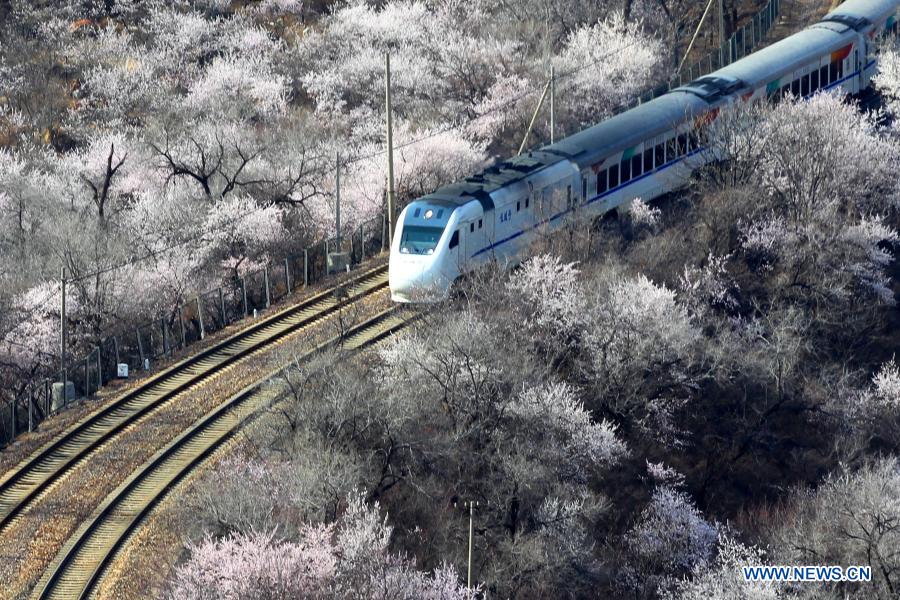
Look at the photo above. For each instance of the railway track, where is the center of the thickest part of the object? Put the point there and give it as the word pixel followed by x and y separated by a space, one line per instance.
pixel 36 474
pixel 79 566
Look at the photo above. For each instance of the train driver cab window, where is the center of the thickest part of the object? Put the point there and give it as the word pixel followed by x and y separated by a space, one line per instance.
pixel 601 182
pixel 804 85
pixel 613 176
pixel 454 240
pixel 626 170
pixel 418 239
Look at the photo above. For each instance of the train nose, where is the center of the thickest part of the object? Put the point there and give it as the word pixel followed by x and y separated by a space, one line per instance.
pixel 412 280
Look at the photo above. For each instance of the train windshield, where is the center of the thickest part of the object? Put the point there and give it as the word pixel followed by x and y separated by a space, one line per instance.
pixel 417 239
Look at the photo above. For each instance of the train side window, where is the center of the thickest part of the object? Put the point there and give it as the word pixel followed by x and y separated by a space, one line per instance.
pixel 660 152
pixel 584 189
pixel 785 89
pixel 823 76
pixel 479 223
pixel 471 227
pixel 693 142
pixel 518 205
pixel 804 85
pixel 670 150
pixel 682 144
pixel 527 201
pixel 568 196
pixel 648 160
pixel 454 239
pixel 626 170
pixel 840 74
pixel 601 182
pixel 795 87
pixel 814 81
pixel 613 176
pixel 636 164
pixel 833 72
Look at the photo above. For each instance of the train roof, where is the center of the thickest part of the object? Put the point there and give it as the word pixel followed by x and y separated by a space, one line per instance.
pixel 624 130
pixel 782 56
pixel 480 186
pixel 873 10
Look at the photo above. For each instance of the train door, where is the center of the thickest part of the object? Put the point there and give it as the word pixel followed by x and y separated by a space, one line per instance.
pixel 455 256
pixel 489 228
pixel 468 244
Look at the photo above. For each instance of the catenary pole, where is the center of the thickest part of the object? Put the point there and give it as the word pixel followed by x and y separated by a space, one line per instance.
pixel 62 331
pixel 552 105
pixel 390 147
pixel 337 199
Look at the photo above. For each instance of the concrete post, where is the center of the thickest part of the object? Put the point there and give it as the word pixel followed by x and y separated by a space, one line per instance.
pixel 244 291
pixel 390 147
pixel 287 275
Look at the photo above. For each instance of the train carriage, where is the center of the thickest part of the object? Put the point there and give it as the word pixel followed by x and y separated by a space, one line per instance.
pixel 644 153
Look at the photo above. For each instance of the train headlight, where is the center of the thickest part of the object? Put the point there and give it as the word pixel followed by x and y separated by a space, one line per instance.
pixel 429 213
pixel 429 251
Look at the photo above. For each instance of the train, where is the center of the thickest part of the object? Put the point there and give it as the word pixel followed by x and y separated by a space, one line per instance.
pixel 645 152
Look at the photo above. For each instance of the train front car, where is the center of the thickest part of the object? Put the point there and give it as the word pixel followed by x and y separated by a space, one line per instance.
pixel 420 269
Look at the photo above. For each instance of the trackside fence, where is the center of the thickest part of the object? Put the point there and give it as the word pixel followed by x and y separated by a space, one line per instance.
pixel 741 43
pixel 191 322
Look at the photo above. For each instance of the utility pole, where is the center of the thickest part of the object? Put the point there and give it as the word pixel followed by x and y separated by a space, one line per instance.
pixel 552 104
pixel 337 199
pixel 62 331
pixel 390 148
pixel 471 530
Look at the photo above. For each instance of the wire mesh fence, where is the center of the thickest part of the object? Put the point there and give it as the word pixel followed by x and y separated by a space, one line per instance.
pixel 140 347
pixel 741 43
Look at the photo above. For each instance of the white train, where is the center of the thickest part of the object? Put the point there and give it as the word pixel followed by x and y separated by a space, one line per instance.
pixel 644 152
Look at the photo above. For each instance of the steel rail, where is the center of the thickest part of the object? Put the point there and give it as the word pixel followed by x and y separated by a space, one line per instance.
pixel 81 563
pixel 24 483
